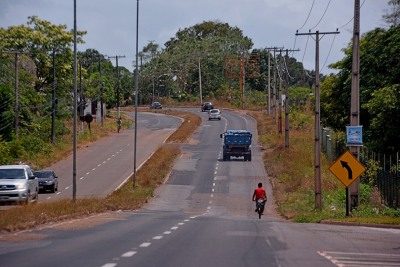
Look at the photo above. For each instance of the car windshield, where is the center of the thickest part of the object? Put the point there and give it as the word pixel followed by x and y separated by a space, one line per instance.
pixel 42 174
pixel 12 174
pixel 214 111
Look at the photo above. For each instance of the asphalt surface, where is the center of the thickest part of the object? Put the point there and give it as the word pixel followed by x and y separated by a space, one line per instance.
pixel 202 216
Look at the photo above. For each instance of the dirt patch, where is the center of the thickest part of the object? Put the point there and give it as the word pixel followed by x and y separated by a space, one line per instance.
pixel 75 224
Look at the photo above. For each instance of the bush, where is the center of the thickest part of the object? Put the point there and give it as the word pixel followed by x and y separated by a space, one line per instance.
pixel 5 155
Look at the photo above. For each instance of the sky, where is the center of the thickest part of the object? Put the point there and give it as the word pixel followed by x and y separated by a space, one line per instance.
pixel 111 24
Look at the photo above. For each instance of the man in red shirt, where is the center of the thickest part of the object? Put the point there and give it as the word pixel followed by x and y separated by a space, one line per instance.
pixel 259 194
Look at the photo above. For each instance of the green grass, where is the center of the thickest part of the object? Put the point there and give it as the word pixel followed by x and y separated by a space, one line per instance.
pixel 291 171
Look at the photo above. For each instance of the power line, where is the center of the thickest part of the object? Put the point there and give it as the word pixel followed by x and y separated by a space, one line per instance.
pixel 350 19
pixel 309 13
pixel 330 49
pixel 323 15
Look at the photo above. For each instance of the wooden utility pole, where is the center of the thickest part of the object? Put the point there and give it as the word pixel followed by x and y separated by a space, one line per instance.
pixel 279 97
pixel 53 101
pixel 269 75
pixel 16 109
pixel 241 68
pixel 287 102
pixel 317 132
pixel 274 89
pixel 352 191
pixel 118 98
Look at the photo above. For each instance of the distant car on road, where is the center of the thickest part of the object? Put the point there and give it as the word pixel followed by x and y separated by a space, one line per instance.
pixel 18 184
pixel 206 106
pixel 48 180
pixel 156 105
pixel 214 114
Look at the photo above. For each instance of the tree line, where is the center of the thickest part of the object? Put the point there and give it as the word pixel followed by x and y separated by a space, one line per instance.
pixel 206 60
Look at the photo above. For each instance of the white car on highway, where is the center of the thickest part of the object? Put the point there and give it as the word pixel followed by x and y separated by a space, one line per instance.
pixel 18 184
pixel 214 114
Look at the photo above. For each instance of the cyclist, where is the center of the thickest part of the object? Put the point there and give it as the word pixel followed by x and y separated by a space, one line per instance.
pixel 260 197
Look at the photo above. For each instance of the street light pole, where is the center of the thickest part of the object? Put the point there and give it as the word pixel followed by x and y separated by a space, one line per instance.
pixel 136 91
pixel 75 114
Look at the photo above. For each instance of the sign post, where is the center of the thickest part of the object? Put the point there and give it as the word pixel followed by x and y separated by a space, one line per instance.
pixel 347 169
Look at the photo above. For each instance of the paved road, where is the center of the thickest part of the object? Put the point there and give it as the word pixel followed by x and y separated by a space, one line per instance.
pixel 104 165
pixel 203 216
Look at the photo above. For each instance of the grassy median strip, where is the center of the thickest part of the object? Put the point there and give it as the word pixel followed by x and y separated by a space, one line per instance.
pixel 148 177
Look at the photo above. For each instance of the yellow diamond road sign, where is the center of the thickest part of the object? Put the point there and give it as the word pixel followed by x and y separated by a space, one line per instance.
pixel 347 168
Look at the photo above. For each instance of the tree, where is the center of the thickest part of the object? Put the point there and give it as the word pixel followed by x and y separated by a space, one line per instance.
pixel 393 18
pixel 384 130
pixel 204 46
pixel 379 68
pixel 36 44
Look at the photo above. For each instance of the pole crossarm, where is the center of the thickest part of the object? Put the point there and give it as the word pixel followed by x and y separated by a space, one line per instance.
pixel 274 48
pixel 317 33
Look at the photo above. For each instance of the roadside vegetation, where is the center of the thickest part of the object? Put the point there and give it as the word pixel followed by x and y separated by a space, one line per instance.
pixel 291 171
pixel 171 76
pixel 148 177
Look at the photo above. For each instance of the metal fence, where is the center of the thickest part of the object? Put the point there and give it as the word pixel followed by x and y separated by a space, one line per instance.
pixel 386 176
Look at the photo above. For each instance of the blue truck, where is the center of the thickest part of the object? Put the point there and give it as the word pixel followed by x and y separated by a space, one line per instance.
pixel 237 143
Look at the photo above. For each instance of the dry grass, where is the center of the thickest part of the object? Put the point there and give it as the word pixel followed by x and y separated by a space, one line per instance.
pixel 291 171
pixel 151 174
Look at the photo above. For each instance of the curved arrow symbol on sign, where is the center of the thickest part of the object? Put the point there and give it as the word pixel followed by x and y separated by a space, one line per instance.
pixel 347 167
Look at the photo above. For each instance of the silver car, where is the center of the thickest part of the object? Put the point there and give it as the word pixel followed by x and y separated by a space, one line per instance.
pixel 18 184
pixel 214 114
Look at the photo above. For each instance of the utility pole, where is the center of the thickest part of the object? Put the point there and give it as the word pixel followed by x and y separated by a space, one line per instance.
pixel 81 102
pixel 16 109
pixel 118 98
pixel 269 84
pixel 274 89
pixel 287 103
pixel 317 132
pixel 352 191
pixel 269 75
pixel 200 86
pixel 136 93
pixel 16 89
pixel 242 77
pixel 279 97
pixel 101 91
pixel 53 101
pixel 75 111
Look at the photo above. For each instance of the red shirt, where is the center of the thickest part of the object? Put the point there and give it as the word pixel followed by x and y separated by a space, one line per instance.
pixel 259 192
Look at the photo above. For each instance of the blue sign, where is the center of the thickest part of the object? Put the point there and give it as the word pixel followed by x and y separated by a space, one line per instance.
pixel 354 135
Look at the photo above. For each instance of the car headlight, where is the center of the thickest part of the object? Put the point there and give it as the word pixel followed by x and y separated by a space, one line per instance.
pixel 21 186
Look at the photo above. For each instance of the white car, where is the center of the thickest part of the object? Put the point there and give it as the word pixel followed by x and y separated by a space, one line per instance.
pixel 214 114
pixel 18 184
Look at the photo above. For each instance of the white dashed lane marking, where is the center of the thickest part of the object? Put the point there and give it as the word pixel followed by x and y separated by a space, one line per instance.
pixel 145 245
pixel 129 254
